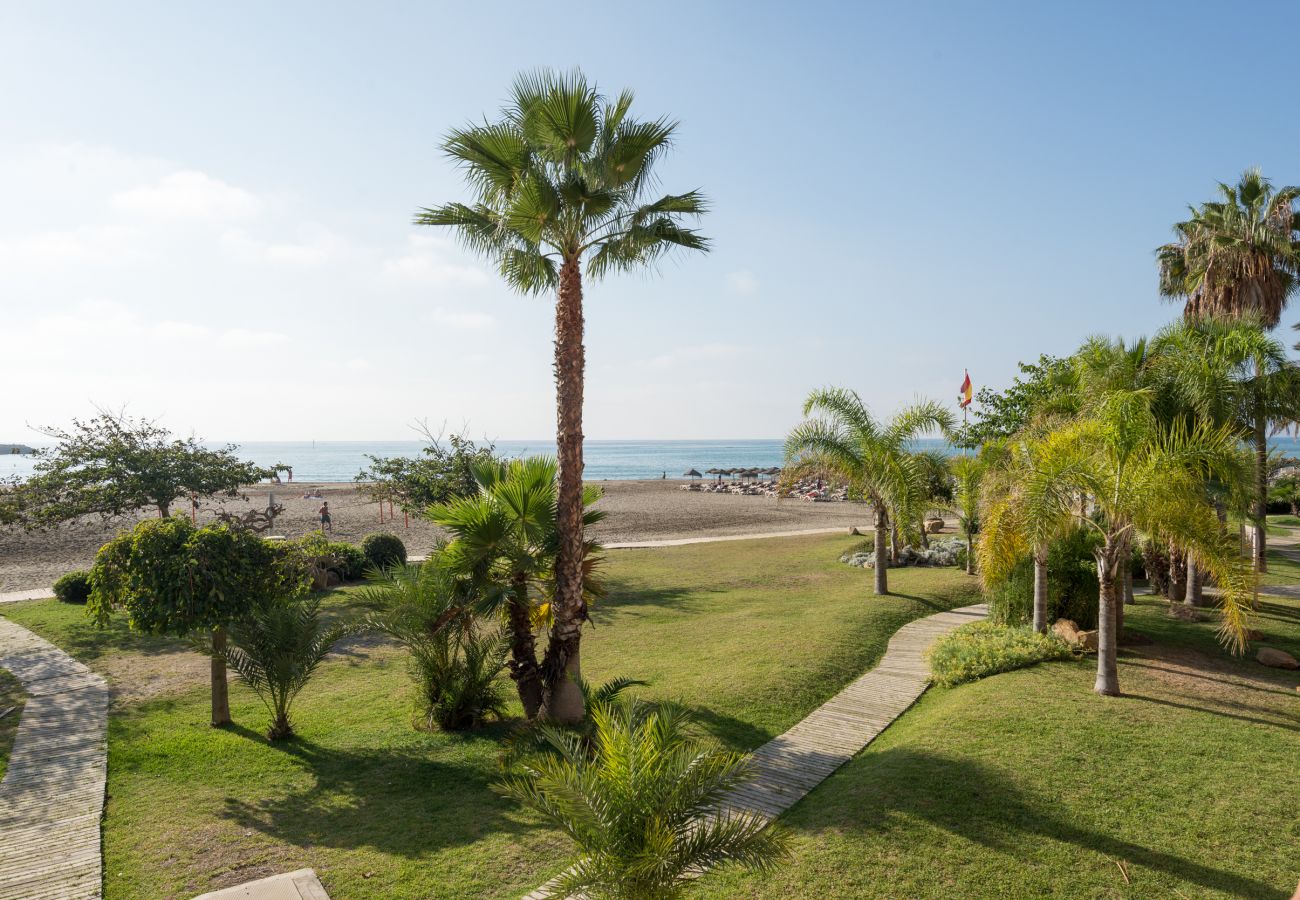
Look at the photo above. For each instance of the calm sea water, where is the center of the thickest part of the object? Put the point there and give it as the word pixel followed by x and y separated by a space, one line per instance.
pixel 612 460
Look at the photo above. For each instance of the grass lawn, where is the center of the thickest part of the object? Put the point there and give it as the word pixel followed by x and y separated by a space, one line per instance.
pixel 753 634
pixel 1027 784
pixel 12 698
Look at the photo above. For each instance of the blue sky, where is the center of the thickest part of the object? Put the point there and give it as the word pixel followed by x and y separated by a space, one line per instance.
pixel 207 212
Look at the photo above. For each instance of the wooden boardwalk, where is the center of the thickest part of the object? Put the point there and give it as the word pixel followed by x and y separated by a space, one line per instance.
pixel 52 795
pixel 788 767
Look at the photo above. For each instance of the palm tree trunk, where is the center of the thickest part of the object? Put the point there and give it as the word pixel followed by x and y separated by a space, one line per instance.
pixel 895 541
pixel 925 538
pixel 970 554
pixel 882 558
pixel 1259 556
pixel 1177 575
pixel 1107 623
pixel 1128 584
pixel 220 690
pixel 1040 589
pixel 563 699
pixel 1195 583
pixel 524 670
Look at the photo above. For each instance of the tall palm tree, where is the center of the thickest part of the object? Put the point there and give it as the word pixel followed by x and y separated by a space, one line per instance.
pixel 872 456
pixel 641 800
pixel 1237 256
pixel 505 543
pixel 561 183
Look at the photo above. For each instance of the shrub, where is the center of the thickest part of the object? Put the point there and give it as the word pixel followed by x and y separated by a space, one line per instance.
pixel 383 550
pixel 73 587
pixel 344 559
pixel 1072 586
pixel 985 648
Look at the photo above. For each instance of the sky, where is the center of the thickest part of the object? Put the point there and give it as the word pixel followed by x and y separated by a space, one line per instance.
pixel 206 209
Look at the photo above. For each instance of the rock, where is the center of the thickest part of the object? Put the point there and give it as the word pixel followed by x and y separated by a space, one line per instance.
pixel 934 526
pixel 1184 613
pixel 1254 634
pixel 1276 659
pixel 1088 641
pixel 853 529
pixel 1067 630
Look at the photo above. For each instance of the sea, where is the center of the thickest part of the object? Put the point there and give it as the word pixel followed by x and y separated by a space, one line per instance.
pixel 342 461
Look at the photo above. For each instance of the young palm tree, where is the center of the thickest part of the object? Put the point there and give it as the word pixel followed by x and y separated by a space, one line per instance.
pixel 1238 256
pixel 562 182
pixel 641 801
pixel 505 544
pixel 968 476
pixel 276 649
pixel 873 457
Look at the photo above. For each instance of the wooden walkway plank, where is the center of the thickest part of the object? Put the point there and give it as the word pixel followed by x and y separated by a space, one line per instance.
pixel 52 795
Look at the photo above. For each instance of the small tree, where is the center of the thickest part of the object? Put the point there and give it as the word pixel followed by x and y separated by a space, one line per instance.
pixel 173 578
pixel 442 472
pixel 113 465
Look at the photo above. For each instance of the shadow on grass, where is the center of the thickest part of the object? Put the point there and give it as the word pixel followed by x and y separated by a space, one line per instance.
pixel 892 789
pixel 623 596
pixel 396 800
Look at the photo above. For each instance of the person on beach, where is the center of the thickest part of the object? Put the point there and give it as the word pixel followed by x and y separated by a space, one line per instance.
pixel 325 523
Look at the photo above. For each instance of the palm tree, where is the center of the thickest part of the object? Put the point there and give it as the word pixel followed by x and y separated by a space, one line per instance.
pixel 505 543
pixel 641 801
pixel 968 475
pixel 275 650
pixel 561 184
pixel 1031 500
pixel 1237 256
pixel 873 457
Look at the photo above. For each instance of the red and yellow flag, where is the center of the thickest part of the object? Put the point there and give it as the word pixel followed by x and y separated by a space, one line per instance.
pixel 964 397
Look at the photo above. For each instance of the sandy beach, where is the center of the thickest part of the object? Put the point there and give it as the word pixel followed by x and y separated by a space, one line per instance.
pixel 635 511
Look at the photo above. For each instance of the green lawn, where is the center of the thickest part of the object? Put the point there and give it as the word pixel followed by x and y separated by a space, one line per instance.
pixel 753 634
pixel 12 698
pixel 1029 785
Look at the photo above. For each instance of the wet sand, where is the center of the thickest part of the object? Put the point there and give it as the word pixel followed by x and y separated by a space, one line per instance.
pixel 635 511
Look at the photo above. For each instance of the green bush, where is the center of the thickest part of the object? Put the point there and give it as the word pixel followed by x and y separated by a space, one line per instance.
pixel 1072 586
pixel 73 587
pixel 383 550
pixel 985 648
pixel 344 559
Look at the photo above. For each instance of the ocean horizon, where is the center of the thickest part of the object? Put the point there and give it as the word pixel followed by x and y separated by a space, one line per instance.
pixel 605 460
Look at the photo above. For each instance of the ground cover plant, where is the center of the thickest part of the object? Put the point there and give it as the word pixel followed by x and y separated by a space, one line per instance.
pixel 358 792
pixel 983 648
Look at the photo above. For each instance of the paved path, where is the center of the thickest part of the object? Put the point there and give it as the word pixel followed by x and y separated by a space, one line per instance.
pixel 33 594
pixel 788 767
pixel 300 885
pixel 52 795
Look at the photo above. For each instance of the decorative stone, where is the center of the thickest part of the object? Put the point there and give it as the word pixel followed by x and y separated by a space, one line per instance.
pixel 1254 634
pixel 1276 659
pixel 1088 641
pixel 934 526
pixel 1067 630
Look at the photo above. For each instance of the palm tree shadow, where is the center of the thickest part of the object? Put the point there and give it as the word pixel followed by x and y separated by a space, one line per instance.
pixel 394 800
pixel 967 799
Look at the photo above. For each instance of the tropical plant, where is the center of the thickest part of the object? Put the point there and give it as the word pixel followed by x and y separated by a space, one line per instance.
pixel 935 491
pixel 505 545
pixel 113 465
pixel 561 183
pixel 171 577
pixel 1287 490
pixel 643 804
pixel 532 737
pixel 275 649
pixel 442 471
pixel 874 458
pixel 1071 584
pixel 968 480
pixel 1238 256
pixel 455 657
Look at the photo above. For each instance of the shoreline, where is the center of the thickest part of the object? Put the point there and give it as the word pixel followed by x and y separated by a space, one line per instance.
pixel 637 511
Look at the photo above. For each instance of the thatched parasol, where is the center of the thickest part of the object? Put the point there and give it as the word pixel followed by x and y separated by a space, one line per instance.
pixel 692 474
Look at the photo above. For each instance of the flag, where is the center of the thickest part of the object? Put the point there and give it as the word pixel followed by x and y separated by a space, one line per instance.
pixel 964 397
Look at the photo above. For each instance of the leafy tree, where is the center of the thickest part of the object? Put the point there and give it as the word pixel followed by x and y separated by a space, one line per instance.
pixel 642 804
pixel 1045 387
pixel 170 577
pixel 505 547
pixel 1236 257
pixel 561 183
pixel 113 465
pixel 275 649
pixel 442 472
pixel 873 457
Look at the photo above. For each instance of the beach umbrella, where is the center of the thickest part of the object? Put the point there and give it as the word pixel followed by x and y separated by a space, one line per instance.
pixel 692 474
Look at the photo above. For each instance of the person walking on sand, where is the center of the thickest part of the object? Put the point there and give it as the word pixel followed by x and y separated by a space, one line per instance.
pixel 325 523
